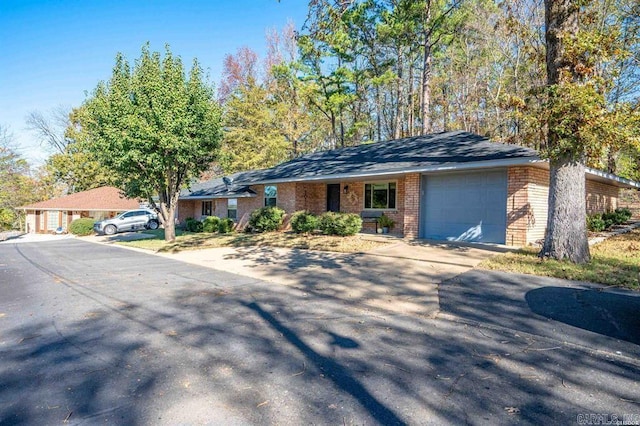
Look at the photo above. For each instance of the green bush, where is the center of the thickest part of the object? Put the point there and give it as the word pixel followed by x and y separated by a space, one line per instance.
pixel 210 224
pixel 303 222
pixel 624 214
pixel 225 226
pixel 609 219
pixel 343 224
pixel 266 219
pixel 193 225
pixel 595 223
pixel 601 221
pixel 82 226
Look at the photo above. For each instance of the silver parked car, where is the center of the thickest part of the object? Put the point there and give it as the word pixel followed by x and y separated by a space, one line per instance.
pixel 132 220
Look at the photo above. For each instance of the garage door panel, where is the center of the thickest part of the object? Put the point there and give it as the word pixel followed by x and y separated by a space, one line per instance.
pixel 465 206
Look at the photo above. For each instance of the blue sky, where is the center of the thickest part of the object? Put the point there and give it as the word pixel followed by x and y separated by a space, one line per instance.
pixel 53 52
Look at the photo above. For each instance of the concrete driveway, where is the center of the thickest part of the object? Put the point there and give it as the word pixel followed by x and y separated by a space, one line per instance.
pixel 401 277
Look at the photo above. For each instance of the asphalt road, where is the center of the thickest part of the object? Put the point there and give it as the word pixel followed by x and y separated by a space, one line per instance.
pixel 98 334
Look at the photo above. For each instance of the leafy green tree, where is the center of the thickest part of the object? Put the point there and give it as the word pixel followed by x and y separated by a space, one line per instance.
pixel 581 125
pixel 154 127
pixel 251 139
pixel 17 187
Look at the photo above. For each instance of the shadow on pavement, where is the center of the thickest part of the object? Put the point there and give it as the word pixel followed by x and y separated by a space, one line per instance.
pixel 190 345
pixel 579 313
pixel 610 314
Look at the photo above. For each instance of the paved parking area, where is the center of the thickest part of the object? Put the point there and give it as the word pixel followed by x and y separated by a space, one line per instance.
pixel 100 334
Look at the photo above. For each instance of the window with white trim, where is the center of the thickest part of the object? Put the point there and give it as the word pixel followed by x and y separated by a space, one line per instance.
pixel 270 195
pixel 232 208
pixel 380 195
pixel 53 220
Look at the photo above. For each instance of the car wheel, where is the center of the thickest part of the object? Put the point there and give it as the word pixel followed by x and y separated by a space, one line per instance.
pixel 153 224
pixel 109 230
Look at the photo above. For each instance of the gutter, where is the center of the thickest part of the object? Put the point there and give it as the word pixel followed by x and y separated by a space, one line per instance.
pixel 209 197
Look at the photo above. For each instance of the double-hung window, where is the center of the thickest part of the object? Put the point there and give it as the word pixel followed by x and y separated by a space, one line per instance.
pixel 270 195
pixel 207 208
pixel 232 208
pixel 380 195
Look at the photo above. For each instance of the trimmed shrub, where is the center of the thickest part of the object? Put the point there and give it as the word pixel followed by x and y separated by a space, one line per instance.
pixel 303 222
pixel 225 226
pixel 624 214
pixel 210 224
pixel 82 226
pixel 192 225
pixel 609 219
pixel 595 223
pixel 266 219
pixel 342 224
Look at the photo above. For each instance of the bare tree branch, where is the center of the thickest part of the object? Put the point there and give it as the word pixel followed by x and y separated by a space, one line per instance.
pixel 50 128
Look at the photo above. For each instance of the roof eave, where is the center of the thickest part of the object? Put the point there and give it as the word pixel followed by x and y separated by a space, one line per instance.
pixel 609 177
pixel 78 209
pixel 209 197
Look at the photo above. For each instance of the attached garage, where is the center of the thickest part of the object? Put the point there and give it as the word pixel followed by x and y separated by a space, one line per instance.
pixel 469 206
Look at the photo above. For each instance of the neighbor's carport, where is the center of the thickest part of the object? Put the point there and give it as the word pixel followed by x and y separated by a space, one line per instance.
pixel 465 206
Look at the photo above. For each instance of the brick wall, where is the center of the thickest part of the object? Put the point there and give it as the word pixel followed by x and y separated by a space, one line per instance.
pixel 411 205
pixel 247 205
pixel 601 197
pixel 527 203
pixel 220 207
pixel 353 200
pixel 187 208
pixel 311 197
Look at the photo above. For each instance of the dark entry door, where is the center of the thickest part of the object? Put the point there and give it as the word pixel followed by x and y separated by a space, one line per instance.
pixel 333 197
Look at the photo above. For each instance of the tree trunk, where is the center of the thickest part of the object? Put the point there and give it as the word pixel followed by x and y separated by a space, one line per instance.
pixel 397 125
pixel 170 226
pixel 170 218
pixel 566 236
pixel 411 100
pixel 425 107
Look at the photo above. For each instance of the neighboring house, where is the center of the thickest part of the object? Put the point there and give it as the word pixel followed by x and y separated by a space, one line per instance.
pixel 453 186
pixel 99 203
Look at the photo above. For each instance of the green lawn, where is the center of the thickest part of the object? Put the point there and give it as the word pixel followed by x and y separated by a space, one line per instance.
pixel 614 262
pixel 196 241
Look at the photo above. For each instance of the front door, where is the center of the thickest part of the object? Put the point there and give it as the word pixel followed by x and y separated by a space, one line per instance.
pixel 333 197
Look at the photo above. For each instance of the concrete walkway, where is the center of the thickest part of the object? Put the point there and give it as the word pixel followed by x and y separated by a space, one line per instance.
pixel 398 278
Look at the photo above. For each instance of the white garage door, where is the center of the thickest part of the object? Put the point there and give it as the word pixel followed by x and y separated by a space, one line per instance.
pixel 465 206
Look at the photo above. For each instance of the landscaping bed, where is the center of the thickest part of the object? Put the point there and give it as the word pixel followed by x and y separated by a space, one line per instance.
pixel 614 262
pixel 198 241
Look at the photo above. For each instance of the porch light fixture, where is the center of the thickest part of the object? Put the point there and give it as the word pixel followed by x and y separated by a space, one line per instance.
pixel 346 189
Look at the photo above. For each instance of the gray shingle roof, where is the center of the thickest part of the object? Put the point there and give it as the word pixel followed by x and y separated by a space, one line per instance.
pixel 400 155
pixel 395 156
pixel 216 188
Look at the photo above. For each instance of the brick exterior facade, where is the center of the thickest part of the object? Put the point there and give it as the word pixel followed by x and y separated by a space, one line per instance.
pixel 527 193
pixel 411 205
pixel 527 198
pixel 601 197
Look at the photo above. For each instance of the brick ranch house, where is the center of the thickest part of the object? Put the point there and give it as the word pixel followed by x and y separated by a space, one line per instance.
pixel 99 203
pixel 453 186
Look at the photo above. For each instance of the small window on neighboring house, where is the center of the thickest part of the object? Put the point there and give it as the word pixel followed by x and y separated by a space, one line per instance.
pixel 206 208
pixel 232 208
pixel 270 196
pixel 380 195
pixel 53 220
